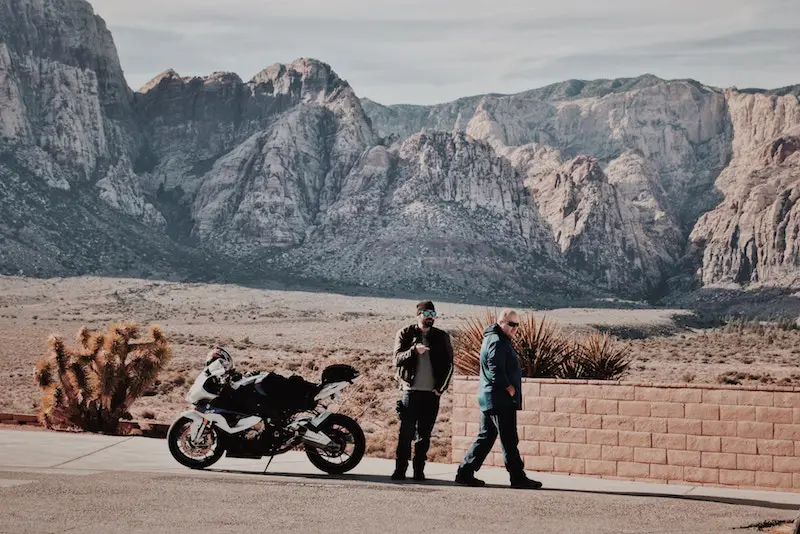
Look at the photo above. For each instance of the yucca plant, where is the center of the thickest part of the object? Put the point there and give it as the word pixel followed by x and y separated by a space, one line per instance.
pixel 467 342
pixel 599 358
pixel 92 387
pixel 544 351
pixel 541 346
pixel 572 365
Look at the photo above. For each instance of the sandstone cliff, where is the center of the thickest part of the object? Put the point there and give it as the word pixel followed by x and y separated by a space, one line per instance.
pixel 69 199
pixel 440 211
pixel 571 191
pixel 257 162
pixel 623 170
pixel 752 236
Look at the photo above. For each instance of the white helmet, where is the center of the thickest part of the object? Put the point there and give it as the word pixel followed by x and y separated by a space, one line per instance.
pixel 221 355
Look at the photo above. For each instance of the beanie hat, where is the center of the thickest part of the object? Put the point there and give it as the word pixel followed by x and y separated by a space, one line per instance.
pixel 425 305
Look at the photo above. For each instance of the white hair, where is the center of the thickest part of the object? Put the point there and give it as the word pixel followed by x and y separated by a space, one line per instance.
pixel 505 314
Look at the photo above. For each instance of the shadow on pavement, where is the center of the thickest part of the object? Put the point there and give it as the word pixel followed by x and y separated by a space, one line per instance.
pixel 688 497
pixel 373 479
pixel 384 479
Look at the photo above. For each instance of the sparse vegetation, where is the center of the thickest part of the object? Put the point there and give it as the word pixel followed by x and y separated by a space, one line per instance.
pixel 467 342
pixel 599 358
pixel 91 388
pixel 542 347
pixel 737 377
pixel 545 351
pixel 286 332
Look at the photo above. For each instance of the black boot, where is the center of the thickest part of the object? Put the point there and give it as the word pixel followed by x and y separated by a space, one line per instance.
pixel 419 471
pixel 467 478
pixel 521 481
pixel 400 470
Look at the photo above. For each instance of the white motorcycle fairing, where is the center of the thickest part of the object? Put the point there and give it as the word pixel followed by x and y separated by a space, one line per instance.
pixel 332 390
pixel 219 421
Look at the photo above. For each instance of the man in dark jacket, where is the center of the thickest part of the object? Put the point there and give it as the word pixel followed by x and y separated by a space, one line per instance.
pixel 499 397
pixel 423 356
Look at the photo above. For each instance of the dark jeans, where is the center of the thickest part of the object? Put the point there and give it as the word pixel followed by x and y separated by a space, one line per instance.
pixel 504 424
pixel 418 411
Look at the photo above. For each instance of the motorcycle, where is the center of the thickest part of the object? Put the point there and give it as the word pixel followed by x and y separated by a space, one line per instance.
pixel 265 415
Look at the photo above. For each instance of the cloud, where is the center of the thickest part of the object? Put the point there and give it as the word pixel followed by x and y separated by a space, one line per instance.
pixel 144 53
pixel 426 51
pixel 710 60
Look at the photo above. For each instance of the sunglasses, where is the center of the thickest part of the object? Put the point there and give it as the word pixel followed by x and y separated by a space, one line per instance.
pixel 512 324
pixel 428 313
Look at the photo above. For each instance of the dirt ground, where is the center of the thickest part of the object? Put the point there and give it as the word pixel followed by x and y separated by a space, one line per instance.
pixel 750 355
pixel 302 332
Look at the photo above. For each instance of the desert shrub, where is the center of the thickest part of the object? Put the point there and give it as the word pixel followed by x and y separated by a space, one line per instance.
pixel 541 346
pixel 700 319
pixel 179 380
pixel 599 358
pixel 91 388
pixel 572 365
pixel 761 325
pixel 788 323
pixel 467 341
pixel 737 377
pixel 545 351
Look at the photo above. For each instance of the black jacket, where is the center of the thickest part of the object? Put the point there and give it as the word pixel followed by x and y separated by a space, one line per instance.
pixel 441 353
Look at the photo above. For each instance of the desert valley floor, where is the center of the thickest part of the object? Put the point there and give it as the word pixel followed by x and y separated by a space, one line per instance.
pixel 301 332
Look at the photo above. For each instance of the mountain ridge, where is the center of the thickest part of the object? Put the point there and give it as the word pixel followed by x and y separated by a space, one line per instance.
pixel 628 187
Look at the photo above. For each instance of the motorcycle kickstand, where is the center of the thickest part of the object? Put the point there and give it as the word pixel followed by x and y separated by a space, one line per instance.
pixel 270 461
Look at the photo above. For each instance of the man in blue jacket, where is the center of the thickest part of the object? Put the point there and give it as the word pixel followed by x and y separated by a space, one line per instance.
pixel 499 396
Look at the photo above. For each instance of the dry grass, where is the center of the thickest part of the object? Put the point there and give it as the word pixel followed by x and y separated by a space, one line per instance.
pixel 733 355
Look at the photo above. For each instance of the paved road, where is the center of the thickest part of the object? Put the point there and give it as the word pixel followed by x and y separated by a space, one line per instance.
pixel 55 483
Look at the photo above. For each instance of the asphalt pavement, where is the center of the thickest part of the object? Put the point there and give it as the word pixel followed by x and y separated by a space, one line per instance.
pixel 57 482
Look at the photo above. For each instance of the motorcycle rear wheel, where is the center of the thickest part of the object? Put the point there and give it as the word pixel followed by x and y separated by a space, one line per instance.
pixel 186 452
pixel 349 445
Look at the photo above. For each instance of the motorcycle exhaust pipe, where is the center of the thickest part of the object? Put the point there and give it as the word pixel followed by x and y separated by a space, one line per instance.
pixel 315 439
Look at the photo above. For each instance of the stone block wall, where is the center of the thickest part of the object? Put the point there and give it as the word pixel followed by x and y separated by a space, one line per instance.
pixel 727 436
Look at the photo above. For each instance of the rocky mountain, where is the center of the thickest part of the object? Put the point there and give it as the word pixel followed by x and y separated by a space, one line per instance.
pixel 443 210
pixel 561 194
pixel 645 180
pixel 255 163
pixel 69 199
pixel 752 236
pixel 285 171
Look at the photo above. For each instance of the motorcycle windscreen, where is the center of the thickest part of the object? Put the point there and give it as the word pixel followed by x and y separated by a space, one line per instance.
pixel 206 385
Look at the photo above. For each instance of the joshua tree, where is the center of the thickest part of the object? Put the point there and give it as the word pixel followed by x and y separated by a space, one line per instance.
pixel 92 387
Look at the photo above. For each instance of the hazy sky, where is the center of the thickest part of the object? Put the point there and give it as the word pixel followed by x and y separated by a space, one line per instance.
pixel 429 51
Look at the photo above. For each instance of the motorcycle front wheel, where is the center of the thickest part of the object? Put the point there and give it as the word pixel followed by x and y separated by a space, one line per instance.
pixel 206 451
pixel 345 451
